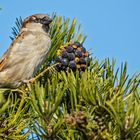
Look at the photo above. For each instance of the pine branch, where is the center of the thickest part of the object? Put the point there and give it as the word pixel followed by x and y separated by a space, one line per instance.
pixel 99 103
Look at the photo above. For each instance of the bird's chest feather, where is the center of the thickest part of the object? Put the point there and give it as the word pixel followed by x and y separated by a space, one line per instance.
pixel 38 52
pixel 31 52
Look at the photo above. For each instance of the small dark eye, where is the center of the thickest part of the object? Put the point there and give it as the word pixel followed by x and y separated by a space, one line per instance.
pixel 43 18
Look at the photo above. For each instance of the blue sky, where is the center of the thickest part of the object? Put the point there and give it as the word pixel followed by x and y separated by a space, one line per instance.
pixel 112 26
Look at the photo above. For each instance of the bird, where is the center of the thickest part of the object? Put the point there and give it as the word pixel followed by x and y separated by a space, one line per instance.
pixel 27 52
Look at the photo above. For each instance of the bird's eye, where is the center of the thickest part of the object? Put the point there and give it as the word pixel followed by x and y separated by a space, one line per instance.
pixel 43 18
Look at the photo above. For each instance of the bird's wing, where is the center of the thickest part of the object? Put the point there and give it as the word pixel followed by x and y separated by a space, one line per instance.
pixel 2 62
pixel 4 58
pixel 13 55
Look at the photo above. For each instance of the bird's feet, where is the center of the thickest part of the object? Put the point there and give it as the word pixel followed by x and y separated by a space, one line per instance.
pixel 30 81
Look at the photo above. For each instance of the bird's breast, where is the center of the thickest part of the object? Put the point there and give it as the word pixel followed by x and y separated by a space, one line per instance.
pixel 39 52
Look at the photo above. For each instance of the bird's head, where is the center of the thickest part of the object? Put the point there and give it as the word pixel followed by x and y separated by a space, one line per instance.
pixel 37 21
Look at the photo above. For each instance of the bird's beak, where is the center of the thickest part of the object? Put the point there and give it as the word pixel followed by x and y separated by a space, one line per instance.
pixel 50 20
pixel 47 21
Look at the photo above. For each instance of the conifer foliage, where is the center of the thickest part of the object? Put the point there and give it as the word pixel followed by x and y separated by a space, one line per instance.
pixel 101 103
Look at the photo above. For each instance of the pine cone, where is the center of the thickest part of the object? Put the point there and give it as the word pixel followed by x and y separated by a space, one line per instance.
pixel 72 56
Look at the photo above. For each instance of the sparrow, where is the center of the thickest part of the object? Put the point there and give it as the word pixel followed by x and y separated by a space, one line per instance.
pixel 27 52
